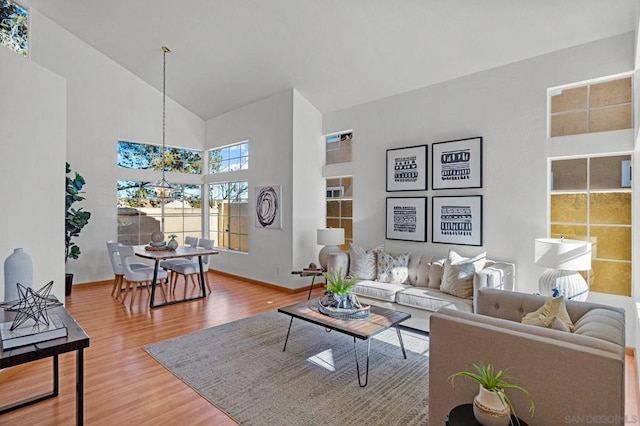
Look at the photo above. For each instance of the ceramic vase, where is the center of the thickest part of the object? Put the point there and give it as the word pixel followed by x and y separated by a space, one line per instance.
pixel 489 410
pixel 18 268
pixel 172 244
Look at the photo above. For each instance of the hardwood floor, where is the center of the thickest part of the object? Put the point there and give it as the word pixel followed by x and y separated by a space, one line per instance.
pixel 124 385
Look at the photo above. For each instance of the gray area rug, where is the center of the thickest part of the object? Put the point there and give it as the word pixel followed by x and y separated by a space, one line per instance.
pixel 241 369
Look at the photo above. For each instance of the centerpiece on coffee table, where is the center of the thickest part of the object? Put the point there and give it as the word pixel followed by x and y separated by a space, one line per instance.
pixel 339 302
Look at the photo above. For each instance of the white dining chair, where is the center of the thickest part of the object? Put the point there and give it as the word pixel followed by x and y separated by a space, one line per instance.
pixel 139 278
pixel 191 269
pixel 169 263
pixel 118 270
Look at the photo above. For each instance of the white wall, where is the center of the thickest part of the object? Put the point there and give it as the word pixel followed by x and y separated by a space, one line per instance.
pixel 507 106
pixel 281 131
pixel 32 137
pixel 105 103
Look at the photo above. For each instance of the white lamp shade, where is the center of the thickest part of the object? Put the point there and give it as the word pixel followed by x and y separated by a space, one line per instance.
pixel 330 237
pixel 566 255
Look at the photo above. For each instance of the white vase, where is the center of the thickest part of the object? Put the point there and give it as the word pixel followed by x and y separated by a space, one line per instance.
pixel 18 268
pixel 489 410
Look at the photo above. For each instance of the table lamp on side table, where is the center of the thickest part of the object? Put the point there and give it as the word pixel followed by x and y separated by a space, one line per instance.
pixel 330 238
pixel 563 258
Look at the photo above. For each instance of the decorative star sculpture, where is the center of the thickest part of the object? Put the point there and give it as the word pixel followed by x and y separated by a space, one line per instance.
pixel 32 305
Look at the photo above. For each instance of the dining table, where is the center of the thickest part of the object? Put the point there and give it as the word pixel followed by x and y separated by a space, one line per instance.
pixel 157 256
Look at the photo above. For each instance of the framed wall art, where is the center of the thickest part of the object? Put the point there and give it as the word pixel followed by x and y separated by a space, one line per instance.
pixel 457 164
pixel 268 207
pixel 457 220
pixel 407 169
pixel 407 219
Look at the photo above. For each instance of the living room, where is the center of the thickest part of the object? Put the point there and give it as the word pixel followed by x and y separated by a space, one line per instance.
pixel 84 102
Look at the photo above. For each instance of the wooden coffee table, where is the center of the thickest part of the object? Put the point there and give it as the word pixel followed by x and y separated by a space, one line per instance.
pixel 379 320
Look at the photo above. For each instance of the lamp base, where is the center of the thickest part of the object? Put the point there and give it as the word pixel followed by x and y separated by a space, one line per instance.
pixel 569 284
pixel 323 256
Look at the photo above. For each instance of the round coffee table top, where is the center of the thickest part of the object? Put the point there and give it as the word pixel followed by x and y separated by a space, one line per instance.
pixel 462 415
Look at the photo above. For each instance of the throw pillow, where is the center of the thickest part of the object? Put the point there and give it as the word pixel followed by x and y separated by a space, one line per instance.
pixel 435 273
pixel 362 262
pixel 391 269
pixel 457 276
pixel 553 314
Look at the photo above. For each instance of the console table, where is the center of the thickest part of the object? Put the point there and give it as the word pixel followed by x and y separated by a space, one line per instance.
pixel 76 340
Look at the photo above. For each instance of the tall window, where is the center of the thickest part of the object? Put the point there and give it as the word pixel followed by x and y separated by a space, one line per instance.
pixel 139 216
pixel 133 155
pixel 229 215
pixel 339 148
pixel 591 108
pixel 14 21
pixel 340 207
pixel 230 158
pixel 591 200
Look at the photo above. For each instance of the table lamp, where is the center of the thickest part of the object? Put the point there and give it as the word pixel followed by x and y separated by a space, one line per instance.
pixel 330 238
pixel 563 258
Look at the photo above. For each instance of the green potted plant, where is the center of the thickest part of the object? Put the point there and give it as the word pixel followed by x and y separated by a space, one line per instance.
pixel 75 219
pixel 339 286
pixel 492 404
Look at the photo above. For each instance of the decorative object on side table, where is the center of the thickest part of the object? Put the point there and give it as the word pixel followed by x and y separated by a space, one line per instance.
pixel 339 302
pixel 330 238
pixel 18 268
pixel 492 406
pixel 563 258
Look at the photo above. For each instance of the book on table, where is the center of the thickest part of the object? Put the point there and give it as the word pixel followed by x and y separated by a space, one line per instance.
pixel 30 332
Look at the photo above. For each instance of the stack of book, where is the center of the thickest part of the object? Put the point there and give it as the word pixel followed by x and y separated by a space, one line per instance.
pixel 31 332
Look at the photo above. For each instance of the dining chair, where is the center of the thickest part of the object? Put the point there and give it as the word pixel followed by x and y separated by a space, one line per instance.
pixel 118 270
pixel 139 278
pixel 191 268
pixel 169 263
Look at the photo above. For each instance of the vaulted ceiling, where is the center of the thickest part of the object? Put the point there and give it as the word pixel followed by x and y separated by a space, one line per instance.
pixel 337 53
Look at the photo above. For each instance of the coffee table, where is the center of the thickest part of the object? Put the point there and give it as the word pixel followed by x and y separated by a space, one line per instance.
pixel 379 320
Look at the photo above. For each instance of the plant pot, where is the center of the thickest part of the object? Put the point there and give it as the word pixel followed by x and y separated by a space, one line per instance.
pixel 68 284
pixel 490 410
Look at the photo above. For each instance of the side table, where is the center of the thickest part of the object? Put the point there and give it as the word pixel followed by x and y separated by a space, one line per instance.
pixel 462 415
pixel 313 273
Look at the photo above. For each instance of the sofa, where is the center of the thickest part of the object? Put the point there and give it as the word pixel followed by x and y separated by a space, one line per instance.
pixel 575 376
pixel 413 282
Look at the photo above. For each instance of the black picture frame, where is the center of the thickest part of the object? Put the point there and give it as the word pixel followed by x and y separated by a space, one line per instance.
pixel 457 220
pixel 406 219
pixel 407 168
pixel 457 164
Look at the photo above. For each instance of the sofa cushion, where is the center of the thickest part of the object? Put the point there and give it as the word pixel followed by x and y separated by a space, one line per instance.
pixel 419 266
pixel 431 299
pixel 435 274
pixel 554 308
pixel 602 324
pixel 392 269
pixel 457 277
pixel 362 262
pixel 377 290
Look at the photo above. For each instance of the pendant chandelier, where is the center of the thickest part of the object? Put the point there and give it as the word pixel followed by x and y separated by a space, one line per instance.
pixel 161 189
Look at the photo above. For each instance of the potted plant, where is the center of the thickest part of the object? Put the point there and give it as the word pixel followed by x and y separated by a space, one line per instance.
pixel 75 219
pixel 339 287
pixel 492 405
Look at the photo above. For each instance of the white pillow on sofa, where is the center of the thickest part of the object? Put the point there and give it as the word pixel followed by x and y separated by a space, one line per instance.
pixel 391 269
pixel 362 262
pixel 457 277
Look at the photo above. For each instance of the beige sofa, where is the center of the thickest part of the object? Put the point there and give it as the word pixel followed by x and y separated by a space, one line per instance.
pixel 421 295
pixel 575 377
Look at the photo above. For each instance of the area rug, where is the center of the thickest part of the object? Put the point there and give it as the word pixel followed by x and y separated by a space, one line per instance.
pixel 241 369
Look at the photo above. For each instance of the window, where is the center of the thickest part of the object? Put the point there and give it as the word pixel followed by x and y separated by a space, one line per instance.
pixel 229 215
pixel 595 107
pixel 132 155
pixel 139 216
pixel 14 25
pixel 591 200
pixel 229 159
pixel 340 207
pixel 339 148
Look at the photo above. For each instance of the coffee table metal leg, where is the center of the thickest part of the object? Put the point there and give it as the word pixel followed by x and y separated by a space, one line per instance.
pixel 287 339
pixel 366 377
pixel 401 343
